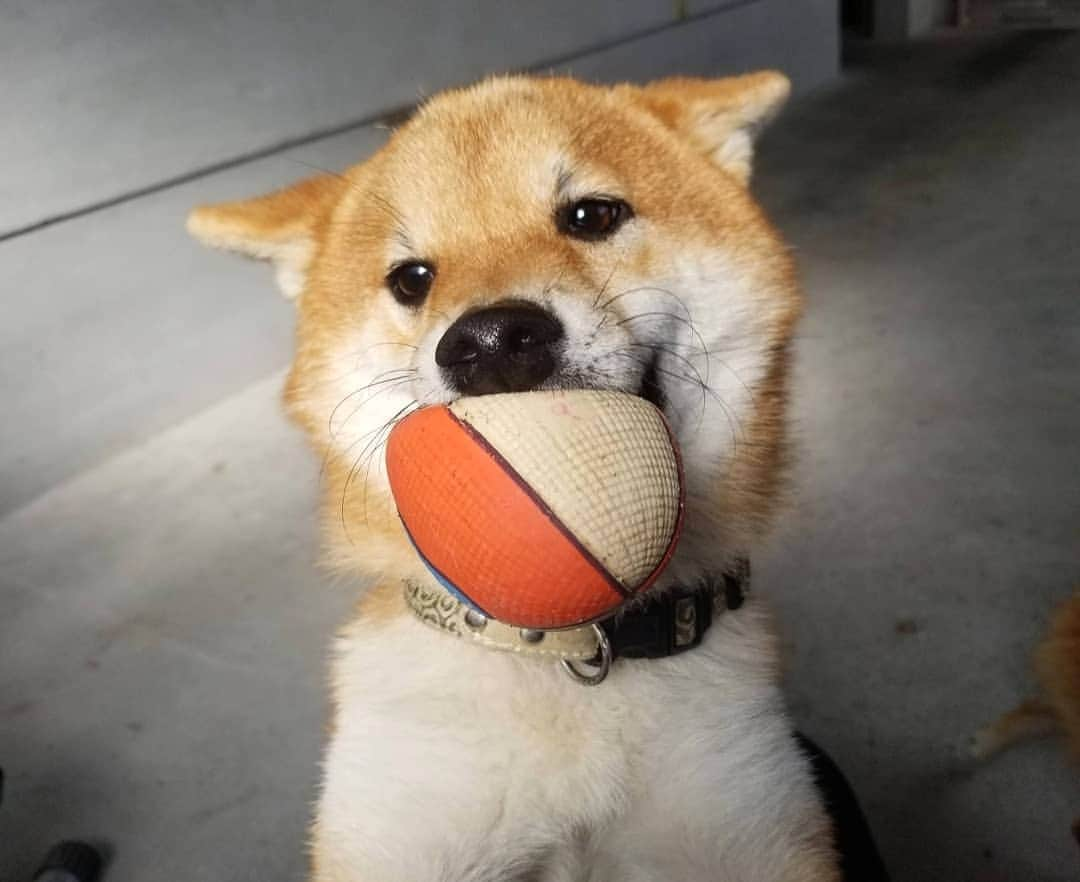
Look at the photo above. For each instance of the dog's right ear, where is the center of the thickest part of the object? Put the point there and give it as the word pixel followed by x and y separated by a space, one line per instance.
pixel 280 227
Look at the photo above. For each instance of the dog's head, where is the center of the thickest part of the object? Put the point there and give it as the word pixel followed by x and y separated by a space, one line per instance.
pixel 539 234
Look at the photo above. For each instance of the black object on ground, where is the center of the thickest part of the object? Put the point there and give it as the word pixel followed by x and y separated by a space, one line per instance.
pixel 859 857
pixel 70 862
pixel 66 861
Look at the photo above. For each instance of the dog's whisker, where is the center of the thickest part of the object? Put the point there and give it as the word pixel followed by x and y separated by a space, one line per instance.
pixel 358 439
pixel 696 382
pixel 691 327
pixel 711 355
pixel 735 426
pixel 352 359
pixel 389 387
pixel 604 287
pixel 331 453
pixel 663 348
pixel 375 380
pixel 556 279
pixel 658 314
pixel 647 289
pixel 386 427
pixel 392 343
pixel 381 380
pixel 375 452
pixel 379 443
pixel 746 387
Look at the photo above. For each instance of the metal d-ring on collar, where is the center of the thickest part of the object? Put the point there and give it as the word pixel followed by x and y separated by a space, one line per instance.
pixel 600 669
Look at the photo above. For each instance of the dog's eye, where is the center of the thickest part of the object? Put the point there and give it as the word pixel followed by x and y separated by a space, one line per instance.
pixel 410 282
pixel 592 219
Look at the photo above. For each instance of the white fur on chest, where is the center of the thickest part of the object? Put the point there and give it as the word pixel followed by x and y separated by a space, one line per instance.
pixel 454 762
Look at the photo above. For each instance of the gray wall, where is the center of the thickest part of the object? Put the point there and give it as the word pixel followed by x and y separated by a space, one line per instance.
pixel 115 95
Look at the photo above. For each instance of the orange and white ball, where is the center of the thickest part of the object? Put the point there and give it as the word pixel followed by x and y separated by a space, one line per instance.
pixel 541 509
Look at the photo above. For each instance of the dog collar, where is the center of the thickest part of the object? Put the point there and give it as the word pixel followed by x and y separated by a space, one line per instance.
pixel 667 624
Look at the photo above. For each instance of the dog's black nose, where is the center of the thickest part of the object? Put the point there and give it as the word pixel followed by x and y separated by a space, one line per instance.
pixel 509 347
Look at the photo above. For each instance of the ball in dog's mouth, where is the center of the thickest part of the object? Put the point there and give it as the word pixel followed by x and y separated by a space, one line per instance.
pixel 545 509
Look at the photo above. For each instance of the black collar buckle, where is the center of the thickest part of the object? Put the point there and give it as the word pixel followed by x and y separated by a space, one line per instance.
pixel 677 620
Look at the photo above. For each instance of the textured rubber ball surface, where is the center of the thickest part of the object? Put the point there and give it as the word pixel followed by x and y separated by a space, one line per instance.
pixel 542 509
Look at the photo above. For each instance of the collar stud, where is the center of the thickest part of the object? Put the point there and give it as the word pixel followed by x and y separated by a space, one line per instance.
pixel 475 619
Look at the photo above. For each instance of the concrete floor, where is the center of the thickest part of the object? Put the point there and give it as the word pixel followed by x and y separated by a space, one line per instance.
pixel 933 199
pixel 163 626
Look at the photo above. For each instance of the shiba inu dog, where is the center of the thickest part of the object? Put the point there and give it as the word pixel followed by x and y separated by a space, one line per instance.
pixel 529 234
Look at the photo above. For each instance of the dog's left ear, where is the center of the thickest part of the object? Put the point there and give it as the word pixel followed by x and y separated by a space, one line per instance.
pixel 720 117
pixel 280 227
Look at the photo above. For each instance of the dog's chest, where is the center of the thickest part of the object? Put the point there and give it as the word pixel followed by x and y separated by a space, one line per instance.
pixel 449 760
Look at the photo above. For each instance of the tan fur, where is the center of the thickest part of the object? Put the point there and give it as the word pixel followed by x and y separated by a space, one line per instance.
pixel 710 109
pixel 471 184
pixel 281 227
pixel 1056 711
